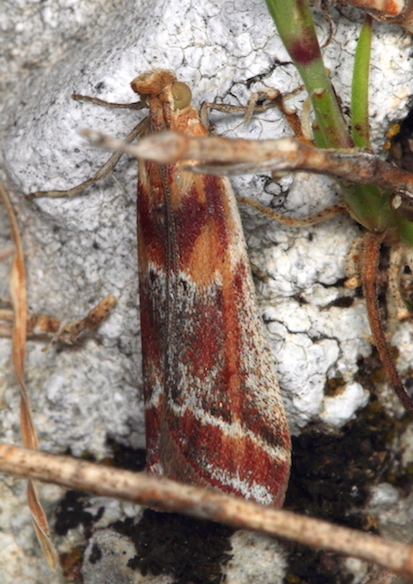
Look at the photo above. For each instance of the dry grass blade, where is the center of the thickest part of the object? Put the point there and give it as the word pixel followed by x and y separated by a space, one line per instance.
pixel 29 436
pixel 207 504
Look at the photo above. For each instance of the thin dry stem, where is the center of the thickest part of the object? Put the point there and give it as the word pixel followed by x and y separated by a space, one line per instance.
pixel 230 156
pixel 28 431
pixel 372 244
pixel 206 504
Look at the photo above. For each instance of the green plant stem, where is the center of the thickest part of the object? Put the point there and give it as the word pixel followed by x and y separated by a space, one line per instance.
pixel 295 26
pixel 367 204
pixel 360 87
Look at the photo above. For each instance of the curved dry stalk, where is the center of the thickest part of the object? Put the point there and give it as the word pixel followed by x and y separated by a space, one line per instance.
pixel 205 504
pixel 28 431
pixel 371 256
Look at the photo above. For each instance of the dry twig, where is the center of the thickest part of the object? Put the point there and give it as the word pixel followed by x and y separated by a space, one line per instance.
pixel 206 504
pixel 230 156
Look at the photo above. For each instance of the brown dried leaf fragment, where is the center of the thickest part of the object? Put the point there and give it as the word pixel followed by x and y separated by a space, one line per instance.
pixel 71 333
pixel 68 333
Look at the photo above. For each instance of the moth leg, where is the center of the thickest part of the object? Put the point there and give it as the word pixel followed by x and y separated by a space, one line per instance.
pixel 103 172
pixel 220 107
pixel 259 101
pixel 301 127
pixel 136 105
pixel 289 221
pixel 108 167
pixel 267 98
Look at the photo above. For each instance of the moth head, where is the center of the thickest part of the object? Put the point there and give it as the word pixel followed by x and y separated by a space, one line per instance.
pixel 156 81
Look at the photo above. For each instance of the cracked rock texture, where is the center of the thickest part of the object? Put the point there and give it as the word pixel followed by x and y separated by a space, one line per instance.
pixel 81 249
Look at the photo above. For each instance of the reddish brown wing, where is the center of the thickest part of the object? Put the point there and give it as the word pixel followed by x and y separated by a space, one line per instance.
pixel 214 414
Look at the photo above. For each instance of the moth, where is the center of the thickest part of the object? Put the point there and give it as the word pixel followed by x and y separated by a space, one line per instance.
pixel 214 414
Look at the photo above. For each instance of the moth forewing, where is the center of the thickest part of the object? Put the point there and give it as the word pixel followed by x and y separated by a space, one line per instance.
pixel 214 413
